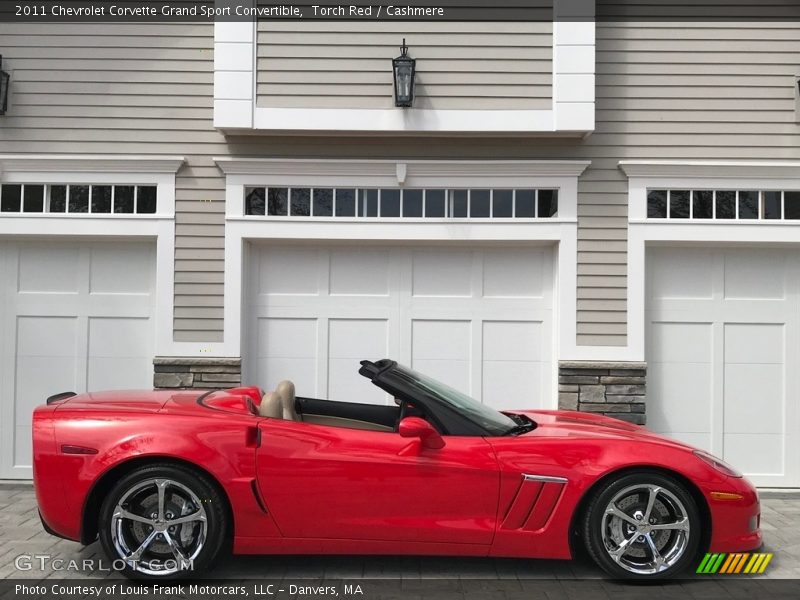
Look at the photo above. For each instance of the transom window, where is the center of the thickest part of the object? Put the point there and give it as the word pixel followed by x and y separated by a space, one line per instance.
pixel 77 199
pixel 401 203
pixel 723 204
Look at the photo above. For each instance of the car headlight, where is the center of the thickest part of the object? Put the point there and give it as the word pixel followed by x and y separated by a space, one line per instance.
pixel 718 464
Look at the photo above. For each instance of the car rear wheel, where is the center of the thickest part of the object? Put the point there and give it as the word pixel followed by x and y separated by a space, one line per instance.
pixel 162 522
pixel 643 525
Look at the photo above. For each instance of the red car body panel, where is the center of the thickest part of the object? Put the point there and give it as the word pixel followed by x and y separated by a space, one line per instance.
pixel 298 487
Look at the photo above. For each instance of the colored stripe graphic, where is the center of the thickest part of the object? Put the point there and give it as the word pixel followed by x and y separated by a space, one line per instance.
pixel 740 564
pixel 702 566
pixel 735 563
pixel 717 564
pixel 767 558
pixel 750 564
pixel 726 565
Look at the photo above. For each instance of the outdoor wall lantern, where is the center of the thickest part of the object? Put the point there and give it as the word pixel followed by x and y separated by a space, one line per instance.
pixel 4 79
pixel 404 68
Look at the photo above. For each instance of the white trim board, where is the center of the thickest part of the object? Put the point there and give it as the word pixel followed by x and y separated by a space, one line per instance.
pixel 89 163
pixel 573 91
pixel 676 169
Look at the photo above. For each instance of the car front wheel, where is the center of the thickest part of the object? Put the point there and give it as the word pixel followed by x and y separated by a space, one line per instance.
pixel 643 525
pixel 162 522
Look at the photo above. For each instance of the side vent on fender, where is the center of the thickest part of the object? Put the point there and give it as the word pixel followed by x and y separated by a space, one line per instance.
pixel 259 499
pixel 534 503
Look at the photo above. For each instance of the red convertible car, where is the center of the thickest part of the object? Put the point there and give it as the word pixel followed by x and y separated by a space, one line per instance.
pixel 167 480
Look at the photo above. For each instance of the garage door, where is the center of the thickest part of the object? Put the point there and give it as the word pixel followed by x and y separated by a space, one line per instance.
pixel 723 350
pixel 72 317
pixel 478 319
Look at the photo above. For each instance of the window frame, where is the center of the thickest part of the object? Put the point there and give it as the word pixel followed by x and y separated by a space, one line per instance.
pixel 449 202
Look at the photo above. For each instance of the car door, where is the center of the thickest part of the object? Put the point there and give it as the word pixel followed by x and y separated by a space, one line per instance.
pixel 337 483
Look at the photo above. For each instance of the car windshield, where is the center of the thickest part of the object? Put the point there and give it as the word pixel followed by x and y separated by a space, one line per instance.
pixel 493 421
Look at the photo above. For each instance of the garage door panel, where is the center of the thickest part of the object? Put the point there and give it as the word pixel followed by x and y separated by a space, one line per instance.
pixel 442 273
pixel 441 339
pixel 754 343
pixel 753 398
pixel 682 273
pixel 509 384
pixel 754 274
pixel 45 364
pixel 510 340
pixel 443 350
pixel 513 274
pixel 350 341
pixel 354 272
pixel 356 338
pixel 113 305
pixel 292 271
pixel 106 276
pixel 288 338
pixel 679 398
pixel 756 454
pixel 682 342
pixel 288 350
pixel 40 269
pixel 118 353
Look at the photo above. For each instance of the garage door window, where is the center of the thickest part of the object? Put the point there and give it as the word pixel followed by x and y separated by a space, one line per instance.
pixel 737 205
pixel 78 199
pixel 413 203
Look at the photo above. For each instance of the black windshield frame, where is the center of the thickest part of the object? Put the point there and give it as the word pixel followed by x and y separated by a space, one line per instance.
pixel 453 412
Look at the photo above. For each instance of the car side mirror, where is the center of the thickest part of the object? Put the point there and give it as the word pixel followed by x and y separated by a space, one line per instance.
pixel 414 427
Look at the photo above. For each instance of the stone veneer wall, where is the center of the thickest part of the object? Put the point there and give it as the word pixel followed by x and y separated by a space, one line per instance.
pixel 615 389
pixel 203 373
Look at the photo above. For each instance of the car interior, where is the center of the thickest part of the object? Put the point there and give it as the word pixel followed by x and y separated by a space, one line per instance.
pixel 283 403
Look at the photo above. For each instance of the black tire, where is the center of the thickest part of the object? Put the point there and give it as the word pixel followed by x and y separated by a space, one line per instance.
pixel 186 490
pixel 604 534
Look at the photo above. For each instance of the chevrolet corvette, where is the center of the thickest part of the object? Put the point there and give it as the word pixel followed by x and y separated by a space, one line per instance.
pixel 170 479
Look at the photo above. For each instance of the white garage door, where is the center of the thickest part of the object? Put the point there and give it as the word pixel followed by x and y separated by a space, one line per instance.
pixel 723 355
pixel 73 317
pixel 478 319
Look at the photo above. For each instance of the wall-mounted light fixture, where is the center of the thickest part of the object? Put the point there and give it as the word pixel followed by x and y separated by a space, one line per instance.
pixel 4 79
pixel 404 68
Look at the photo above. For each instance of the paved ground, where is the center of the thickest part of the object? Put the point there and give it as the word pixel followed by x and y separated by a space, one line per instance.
pixel 21 534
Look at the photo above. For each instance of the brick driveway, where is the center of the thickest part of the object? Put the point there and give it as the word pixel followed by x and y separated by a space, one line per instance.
pixel 21 533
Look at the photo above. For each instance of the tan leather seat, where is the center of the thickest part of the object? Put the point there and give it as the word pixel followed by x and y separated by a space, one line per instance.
pixel 285 390
pixel 280 403
pixel 271 406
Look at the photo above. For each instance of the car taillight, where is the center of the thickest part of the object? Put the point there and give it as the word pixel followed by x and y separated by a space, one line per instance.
pixel 719 464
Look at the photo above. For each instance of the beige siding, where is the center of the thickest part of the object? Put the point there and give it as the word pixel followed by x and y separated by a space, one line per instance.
pixel 130 89
pixel 338 64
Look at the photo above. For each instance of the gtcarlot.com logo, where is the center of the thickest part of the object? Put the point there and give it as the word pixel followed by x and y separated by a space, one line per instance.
pixel 734 564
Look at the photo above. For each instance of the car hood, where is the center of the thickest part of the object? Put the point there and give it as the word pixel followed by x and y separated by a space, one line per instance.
pixel 568 423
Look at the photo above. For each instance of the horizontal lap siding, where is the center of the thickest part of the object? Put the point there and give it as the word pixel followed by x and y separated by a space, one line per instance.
pixel 340 64
pixel 131 89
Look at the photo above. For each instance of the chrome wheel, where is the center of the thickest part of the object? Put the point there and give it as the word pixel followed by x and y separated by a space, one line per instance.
pixel 645 529
pixel 158 527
